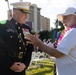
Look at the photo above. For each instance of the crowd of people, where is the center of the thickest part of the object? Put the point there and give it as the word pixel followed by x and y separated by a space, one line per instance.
pixel 50 43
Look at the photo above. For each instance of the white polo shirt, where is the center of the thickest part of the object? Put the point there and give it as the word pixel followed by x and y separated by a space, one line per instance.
pixel 66 65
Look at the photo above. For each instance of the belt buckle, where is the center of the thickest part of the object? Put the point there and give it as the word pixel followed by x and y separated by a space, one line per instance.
pixel 20 55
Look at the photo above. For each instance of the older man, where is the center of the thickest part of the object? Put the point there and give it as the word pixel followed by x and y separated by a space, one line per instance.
pixel 65 53
pixel 15 52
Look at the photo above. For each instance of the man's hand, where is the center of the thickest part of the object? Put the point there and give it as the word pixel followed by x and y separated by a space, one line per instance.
pixel 33 39
pixel 21 67
pixel 18 67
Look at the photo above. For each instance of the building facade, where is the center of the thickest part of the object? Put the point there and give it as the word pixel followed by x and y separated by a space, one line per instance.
pixel 34 17
pixel 44 23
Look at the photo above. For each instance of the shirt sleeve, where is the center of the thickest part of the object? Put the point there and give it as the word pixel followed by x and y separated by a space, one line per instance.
pixel 68 43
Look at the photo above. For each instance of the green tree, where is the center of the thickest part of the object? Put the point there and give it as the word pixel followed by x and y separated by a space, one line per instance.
pixel 45 34
pixel 59 25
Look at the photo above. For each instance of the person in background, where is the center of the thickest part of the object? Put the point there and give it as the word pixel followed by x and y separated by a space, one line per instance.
pixel 15 52
pixel 55 43
pixel 49 43
pixel 65 52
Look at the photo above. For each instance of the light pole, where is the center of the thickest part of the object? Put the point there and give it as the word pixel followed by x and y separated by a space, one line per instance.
pixel 9 8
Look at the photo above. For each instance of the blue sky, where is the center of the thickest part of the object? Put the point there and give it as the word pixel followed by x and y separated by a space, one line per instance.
pixel 49 8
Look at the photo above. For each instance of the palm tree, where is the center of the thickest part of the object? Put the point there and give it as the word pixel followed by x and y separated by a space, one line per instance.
pixel 59 25
pixel 56 23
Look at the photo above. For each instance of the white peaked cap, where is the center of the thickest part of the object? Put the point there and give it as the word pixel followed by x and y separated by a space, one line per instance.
pixel 22 5
pixel 68 11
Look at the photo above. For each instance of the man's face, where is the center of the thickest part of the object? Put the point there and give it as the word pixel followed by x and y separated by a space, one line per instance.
pixel 69 20
pixel 21 16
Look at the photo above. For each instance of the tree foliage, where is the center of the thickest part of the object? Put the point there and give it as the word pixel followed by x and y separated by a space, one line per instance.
pixel 44 34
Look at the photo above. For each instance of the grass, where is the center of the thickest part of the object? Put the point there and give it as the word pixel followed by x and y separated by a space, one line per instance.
pixel 43 68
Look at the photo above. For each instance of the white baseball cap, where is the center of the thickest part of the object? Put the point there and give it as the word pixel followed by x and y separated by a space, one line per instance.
pixel 68 11
pixel 24 6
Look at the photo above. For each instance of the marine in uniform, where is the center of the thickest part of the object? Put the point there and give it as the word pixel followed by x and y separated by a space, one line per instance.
pixel 13 45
